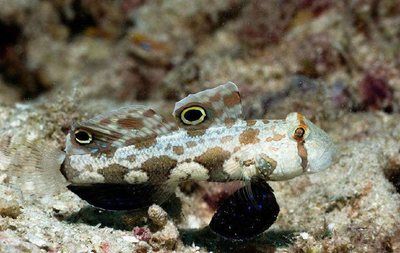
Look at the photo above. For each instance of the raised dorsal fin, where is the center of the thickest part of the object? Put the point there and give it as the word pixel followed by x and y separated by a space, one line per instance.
pixel 133 125
pixel 217 106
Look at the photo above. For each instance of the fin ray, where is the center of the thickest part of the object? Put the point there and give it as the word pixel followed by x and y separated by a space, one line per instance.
pixel 34 163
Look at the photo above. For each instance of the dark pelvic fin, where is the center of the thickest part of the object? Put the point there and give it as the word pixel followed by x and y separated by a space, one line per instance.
pixel 120 196
pixel 244 215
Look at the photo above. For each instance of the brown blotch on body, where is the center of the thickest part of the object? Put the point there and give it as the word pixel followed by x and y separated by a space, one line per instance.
pixel 105 122
pixel 140 142
pixel 149 113
pixel 232 99
pixel 229 122
pixel 196 132
pixel 159 168
pixel 249 136
pixel 178 150
pixel 114 173
pixel 216 97
pixel 251 122
pixel 213 158
pixel 276 137
pixel 130 123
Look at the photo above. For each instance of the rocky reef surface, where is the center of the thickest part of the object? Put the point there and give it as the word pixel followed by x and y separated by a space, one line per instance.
pixel 67 60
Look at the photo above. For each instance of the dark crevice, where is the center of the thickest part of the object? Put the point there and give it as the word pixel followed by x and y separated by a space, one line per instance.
pixel 224 16
pixel 392 173
pixel 13 34
pixel 13 69
pixel 80 20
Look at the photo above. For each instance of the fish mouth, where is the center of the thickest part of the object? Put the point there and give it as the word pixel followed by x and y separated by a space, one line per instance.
pixel 329 155
pixel 115 197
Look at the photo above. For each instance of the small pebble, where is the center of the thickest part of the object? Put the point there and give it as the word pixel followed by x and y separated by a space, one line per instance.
pixel 10 202
pixel 157 215
pixel 304 236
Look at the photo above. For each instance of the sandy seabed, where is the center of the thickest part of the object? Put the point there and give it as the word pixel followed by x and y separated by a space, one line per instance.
pixel 65 61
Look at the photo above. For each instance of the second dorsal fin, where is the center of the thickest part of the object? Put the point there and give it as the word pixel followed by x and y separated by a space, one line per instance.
pixel 217 106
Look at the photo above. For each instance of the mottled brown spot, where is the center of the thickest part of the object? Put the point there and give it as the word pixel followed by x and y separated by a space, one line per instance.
pixel 114 173
pixel 159 168
pixel 229 122
pixel 218 114
pixel 276 137
pixel 105 122
pixel 226 139
pixel 191 144
pixel 130 123
pixel 216 97
pixel 232 99
pixel 140 142
pixel 213 158
pixel 177 150
pixel 251 122
pixel 149 113
pixel 265 121
pixel 249 136
pixel 236 149
pixel 196 132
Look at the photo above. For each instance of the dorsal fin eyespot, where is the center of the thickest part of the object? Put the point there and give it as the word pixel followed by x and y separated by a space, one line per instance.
pixel 220 103
pixel 193 115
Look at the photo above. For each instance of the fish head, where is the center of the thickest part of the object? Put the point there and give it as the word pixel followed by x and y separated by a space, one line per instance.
pixel 297 147
pixel 83 152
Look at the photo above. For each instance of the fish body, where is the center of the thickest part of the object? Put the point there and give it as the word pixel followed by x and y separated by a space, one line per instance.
pixel 208 140
pixel 219 154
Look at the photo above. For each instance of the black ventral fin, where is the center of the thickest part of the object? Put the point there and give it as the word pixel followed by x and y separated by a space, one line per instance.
pixel 118 197
pixel 246 213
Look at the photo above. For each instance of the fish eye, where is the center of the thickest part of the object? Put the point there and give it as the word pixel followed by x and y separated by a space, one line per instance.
pixel 83 137
pixel 299 133
pixel 193 115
